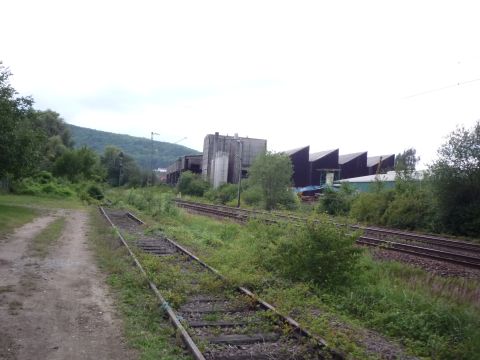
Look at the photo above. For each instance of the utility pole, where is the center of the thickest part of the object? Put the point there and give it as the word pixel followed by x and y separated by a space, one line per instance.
pixel 240 150
pixel 120 168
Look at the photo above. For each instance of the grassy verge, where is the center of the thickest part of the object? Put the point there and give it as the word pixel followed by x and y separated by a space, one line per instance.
pixel 49 236
pixel 432 316
pixel 145 327
pixel 12 216
pixel 40 202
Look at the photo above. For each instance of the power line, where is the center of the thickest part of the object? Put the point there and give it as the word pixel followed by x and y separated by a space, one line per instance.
pixel 442 88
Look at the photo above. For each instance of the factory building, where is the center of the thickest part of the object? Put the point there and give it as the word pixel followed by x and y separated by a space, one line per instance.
pixel 353 165
pixel 226 158
pixel 301 167
pixel 323 167
pixel 191 163
pixel 380 164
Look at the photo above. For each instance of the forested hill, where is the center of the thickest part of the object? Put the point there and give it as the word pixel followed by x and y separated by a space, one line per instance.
pixel 139 148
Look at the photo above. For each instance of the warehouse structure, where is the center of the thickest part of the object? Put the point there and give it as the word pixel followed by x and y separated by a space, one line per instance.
pixel 353 165
pixel 380 164
pixel 227 158
pixel 301 169
pixel 324 167
pixel 191 163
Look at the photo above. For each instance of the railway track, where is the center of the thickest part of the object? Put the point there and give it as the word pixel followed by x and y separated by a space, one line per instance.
pixel 223 323
pixel 433 247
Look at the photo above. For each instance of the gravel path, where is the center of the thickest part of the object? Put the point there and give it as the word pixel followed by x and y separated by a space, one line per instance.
pixel 57 307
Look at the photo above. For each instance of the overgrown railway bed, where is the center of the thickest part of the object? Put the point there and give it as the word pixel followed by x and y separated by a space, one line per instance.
pixel 218 322
pixel 428 246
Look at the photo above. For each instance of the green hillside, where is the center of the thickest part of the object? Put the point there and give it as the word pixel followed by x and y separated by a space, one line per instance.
pixel 137 147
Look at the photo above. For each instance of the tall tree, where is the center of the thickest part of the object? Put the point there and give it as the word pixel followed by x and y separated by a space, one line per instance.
pixel 272 174
pixel 456 182
pixel 406 161
pixel 20 142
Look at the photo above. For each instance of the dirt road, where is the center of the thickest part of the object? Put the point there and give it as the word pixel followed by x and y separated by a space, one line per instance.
pixel 57 307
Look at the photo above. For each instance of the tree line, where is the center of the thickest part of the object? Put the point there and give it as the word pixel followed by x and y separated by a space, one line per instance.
pixel 35 144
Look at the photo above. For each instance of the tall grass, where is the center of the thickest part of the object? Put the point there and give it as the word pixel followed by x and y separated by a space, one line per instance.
pixel 433 317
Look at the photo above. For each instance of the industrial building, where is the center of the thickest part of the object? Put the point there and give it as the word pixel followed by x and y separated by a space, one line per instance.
pixel 323 167
pixel 191 163
pixel 226 158
pixel 366 183
pixel 320 168
pixel 380 164
pixel 353 165
pixel 301 168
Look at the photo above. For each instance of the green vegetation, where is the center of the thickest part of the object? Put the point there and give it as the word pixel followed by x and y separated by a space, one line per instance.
pixel 138 148
pixel 12 216
pixel 456 182
pixel 40 202
pixel 434 317
pixel 192 184
pixel 43 242
pixel 145 328
pixel 270 176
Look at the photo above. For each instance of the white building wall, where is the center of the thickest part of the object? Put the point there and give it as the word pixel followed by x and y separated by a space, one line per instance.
pixel 220 169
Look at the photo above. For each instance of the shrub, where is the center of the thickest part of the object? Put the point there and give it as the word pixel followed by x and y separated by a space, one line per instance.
pixel 252 196
pixel 95 192
pixel 192 184
pixel 319 252
pixel 337 202
pixel 370 207
pixel 223 194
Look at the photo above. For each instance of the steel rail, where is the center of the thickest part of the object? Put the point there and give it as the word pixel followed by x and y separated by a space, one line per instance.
pixel 429 239
pixel 286 319
pixel 460 259
pixel 189 343
pixel 422 251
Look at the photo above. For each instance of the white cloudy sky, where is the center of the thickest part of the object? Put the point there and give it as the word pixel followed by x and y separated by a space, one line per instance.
pixel 322 73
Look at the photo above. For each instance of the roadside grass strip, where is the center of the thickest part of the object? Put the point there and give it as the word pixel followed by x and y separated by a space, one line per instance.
pixel 12 216
pixel 43 242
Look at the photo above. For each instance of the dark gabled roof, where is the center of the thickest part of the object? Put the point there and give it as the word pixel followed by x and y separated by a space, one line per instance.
pixel 342 159
pixel 374 160
pixel 294 151
pixel 320 154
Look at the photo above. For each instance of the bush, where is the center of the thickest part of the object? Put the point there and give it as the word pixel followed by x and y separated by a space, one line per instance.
pixel 223 194
pixel 319 252
pixel 410 211
pixel 370 207
pixel 39 186
pixel 253 196
pixel 192 184
pixel 335 202
pixel 95 192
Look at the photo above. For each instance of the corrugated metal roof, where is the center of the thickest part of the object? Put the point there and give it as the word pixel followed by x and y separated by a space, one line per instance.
pixel 389 176
pixel 320 154
pixel 294 151
pixel 374 160
pixel 342 159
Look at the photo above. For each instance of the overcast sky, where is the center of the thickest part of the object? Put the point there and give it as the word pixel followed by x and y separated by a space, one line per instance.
pixel 380 76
